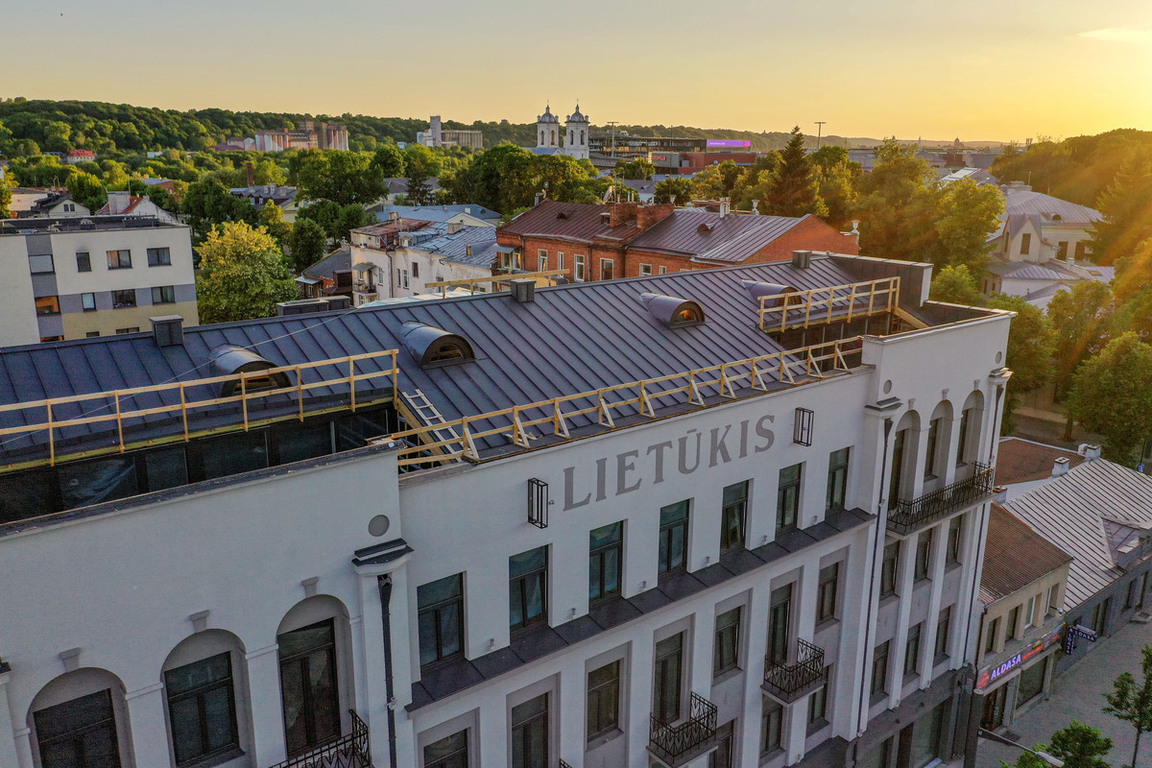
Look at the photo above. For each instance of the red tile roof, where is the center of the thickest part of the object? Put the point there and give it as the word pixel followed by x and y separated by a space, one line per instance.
pixel 1022 461
pixel 1015 556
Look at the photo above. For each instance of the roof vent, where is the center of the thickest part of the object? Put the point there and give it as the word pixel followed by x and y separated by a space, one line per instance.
pixel 524 291
pixel 673 311
pixel 561 215
pixel 757 289
pixel 168 330
pixel 704 228
pixel 801 259
pixel 229 360
pixel 434 347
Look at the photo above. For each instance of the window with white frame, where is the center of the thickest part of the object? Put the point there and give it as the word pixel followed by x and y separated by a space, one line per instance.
pixel 579 271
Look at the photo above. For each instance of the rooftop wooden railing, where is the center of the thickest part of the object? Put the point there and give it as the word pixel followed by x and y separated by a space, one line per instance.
pixel 842 303
pixel 471 282
pixel 115 407
pixel 515 424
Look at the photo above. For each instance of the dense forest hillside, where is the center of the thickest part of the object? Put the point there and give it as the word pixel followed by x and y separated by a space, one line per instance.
pixel 59 126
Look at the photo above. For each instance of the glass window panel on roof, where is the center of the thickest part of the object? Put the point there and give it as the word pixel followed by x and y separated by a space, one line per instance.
pixel 92 482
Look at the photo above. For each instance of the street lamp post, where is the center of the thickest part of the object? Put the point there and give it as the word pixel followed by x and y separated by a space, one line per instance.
pixel 819 131
pixel 1050 759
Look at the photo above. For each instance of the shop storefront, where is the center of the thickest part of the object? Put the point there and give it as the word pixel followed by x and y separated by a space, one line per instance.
pixel 1016 678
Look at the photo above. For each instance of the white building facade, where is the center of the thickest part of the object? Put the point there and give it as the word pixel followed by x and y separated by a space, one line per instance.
pixel 732 579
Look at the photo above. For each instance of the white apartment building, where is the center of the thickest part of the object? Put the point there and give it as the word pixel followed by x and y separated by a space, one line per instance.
pixel 77 278
pixel 675 520
pixel 400 257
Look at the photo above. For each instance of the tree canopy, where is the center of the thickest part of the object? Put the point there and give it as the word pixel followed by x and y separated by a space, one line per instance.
pixel 242 275
pixel 1110 396
pixel 1077 746
pixel 1131 700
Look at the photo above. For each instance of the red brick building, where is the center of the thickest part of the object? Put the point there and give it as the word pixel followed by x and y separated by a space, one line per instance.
pixel 602 242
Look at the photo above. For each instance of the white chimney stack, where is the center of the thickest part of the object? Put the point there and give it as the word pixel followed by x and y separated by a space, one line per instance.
pixel 1089 451
pixel 725 204
pixel 1060 466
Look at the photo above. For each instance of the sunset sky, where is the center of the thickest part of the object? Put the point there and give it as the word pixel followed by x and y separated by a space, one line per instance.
pixel 980 70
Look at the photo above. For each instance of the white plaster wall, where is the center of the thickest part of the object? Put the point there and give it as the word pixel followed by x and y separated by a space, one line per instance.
pixel 17 307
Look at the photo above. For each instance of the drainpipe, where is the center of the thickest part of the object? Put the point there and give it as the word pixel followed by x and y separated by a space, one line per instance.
pixel 881 526
pixel 384 583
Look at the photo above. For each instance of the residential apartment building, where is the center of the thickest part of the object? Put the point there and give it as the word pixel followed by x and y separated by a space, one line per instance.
pixel 660 521
pixel 605 242
pixel 75 278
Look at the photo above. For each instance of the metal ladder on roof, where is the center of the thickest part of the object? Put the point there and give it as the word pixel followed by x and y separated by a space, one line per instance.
pixel 422 408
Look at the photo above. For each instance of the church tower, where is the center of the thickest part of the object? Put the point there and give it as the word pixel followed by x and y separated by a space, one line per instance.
pixel 547 129
pixel 576 135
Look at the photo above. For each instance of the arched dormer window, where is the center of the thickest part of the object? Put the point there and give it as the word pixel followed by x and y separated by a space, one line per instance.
pixel 229 360
pixel 672 311
pixel 434 347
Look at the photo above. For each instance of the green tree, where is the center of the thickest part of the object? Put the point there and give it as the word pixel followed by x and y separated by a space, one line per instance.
pixel 967 214
pixel 243 274
pixel 1081 319
pixel 1127 207
pixel 640 168
pixel 306 243
pixel 957 285
pixel 207 203
pixel 675 189
pixel 1110 396
pixel 421 165
pixel 342 177
pixel 708 184
pixel 5 201
pixel 389 161
pixel 351 217
pixel 836 178
pixel 1029 353
pixel 794 189
pixel 271 217
pixel 897 206
pixel 87 190
pixel 1078 746
pixel 1131 701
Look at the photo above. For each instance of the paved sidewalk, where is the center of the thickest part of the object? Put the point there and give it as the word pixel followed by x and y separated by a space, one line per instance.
pixel 1078 694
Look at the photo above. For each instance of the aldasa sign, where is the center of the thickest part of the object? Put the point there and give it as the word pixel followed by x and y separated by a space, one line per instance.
pixel 990 674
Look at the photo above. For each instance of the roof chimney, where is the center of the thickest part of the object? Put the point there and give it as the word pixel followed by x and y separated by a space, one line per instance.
pixel 168 330
pixel 251 173
pixel 725 205
pixel 1060 466
pixel 524 291
pixel 801 259
pixel 756 207
pixel 1089 451
pixel 454 227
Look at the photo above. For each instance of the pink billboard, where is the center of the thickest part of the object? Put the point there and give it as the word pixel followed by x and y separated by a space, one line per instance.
pixel 728 144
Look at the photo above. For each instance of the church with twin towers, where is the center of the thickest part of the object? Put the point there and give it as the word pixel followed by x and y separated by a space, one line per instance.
pixel 573 142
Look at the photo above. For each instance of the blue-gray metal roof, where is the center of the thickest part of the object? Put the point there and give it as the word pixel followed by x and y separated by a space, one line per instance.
pixel 710 236
pixel 437 212
pixel 571 339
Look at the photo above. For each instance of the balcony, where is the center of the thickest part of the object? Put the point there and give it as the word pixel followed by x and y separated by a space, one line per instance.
pixel 908 516
pixel 675 745
pixel 348 751
pixel 787 682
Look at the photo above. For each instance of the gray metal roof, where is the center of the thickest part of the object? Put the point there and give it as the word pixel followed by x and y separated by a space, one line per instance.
pixel 1028 203
pixel 712 237
pixel 1072 512
pixel 338 261
pixel 571 339
pixel 437 212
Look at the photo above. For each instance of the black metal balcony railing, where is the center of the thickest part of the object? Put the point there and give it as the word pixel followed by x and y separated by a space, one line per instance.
pixel 790 681
pixel 564 764
pixel 348 751
pixel 907 516
pixel 677 744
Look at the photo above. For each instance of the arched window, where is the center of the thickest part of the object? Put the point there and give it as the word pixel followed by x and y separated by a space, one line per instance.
pixel 541 138
pixel 971 420
pixel 79 720
pixel 582 141
pixel 206 696
pixel 553 134
pixel 939 437
pixel 315 648
pixel 904 442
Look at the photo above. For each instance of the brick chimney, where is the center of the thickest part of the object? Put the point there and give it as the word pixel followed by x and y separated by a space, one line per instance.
pixel 251 173
pixel 622 213
pixel 650 215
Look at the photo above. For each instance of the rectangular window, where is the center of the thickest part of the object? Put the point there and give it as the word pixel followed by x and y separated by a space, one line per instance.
pixel 415 269
pixel 955 528
pixel 771 725
pixel 646 270
pixel 83 261
pixel 1025 243
pixel 1031 682
pixel 92 334
pixel 991 632
pixel 603 700
pixel 733 516
pixel 1062 250
pixel 123 299
pixel 780 625
pixel 159 257
pixel 889 568
pixel 673 537
pixel 826 592
pixel 818 704
pixel 662 270
pixel 48 305
pixel 726 651
pixel 896 478
pixel 41 265
pixel 448 752
pixel 607 269
pixel 943 626
pixel 440 617
pixel 1011 629
pixel 1100 616
pixel 80 729
pixel 1054 596
pixel 542 261
pixel 1030 613
pixel 788 499
pixel 579 273
pixel 559 259
pixel 880 669
pixel 1130 597
pixel 721 757
pixel 202 709
pixel 923 554
pixel 120 259
pixel 930 462
pixel 164 294
pixel 527 588
pixel 666 691
pixel 605 561
pixel 837 479
pixel 530 733
pixel 88 302
pixel 912 650
pixel 1052 607
pixel 133 329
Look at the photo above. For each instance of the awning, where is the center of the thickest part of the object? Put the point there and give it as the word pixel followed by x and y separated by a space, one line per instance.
pixel 363 266
pixel 307 280
pixel 504 249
